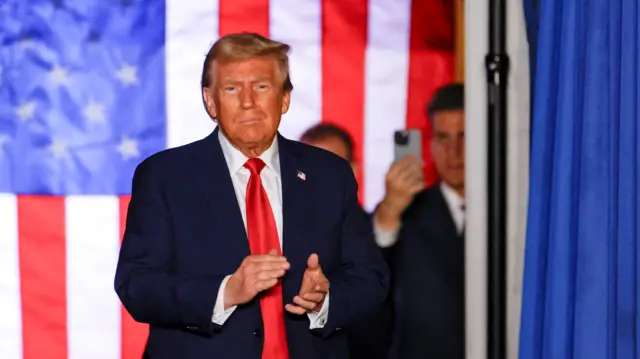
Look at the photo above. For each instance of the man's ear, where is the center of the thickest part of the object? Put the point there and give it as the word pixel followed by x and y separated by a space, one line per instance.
pixel 286 100
pixel 209 104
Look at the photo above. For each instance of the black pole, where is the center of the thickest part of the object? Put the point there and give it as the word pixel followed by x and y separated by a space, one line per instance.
pixel 497 66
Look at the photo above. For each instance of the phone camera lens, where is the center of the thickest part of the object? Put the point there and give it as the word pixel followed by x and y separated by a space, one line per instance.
pixel 402 138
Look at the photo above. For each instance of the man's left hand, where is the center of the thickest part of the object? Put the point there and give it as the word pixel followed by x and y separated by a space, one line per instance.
pixel 313 290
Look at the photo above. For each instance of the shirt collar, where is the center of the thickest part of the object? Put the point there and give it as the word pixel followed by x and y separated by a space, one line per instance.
pixel 451 196
pixel 236 159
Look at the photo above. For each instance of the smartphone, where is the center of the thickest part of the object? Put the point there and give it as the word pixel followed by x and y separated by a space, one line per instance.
pixel 407 142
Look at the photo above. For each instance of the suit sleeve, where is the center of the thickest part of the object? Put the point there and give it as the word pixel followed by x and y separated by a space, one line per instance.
pixel 361 285
pixel 146 279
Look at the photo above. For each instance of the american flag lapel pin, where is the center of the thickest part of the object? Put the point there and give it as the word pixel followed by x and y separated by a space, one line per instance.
pixel 302 176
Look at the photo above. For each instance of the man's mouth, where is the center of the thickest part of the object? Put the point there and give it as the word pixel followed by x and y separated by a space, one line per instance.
pixel 248 121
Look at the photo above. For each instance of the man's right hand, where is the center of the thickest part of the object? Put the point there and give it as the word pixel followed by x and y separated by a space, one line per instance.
pixel 255 274
pixel 403 181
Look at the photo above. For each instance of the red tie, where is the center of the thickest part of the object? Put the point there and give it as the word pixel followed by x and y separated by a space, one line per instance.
pixel 263 237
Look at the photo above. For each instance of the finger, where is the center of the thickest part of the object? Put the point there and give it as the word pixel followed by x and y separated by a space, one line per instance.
pixel 259 258
pixel 306 304
pixel 322 287
pixel 295 309
pixel 404 178
pixel 270 274
pixel 411 168
pixel 412 161
pixel 399 167
pixel 314 297
pixel 262 285
pixel 408 159
pixel 413 179
pixel 253 268
pixel 313 262
pixel 417 187
pixel 413 172
pixel 416 167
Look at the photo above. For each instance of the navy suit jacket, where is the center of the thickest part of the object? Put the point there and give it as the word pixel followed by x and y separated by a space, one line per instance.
pixel 184 233
pixel 428 282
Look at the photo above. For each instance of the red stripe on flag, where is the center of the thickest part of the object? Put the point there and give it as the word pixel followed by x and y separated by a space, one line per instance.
pixel 244 16
pixel 430 66
pixel 41 234
pixel 134 334
pixel 344 41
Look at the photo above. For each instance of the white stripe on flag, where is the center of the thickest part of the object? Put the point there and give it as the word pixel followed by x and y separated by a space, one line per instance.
pixel 386 71
pixel 93 310
pixel 299 24
pixel 10 308
pixel 191 29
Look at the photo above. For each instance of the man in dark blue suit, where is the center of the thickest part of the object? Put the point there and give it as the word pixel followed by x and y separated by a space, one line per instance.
pixel 245 244
pixel 425 230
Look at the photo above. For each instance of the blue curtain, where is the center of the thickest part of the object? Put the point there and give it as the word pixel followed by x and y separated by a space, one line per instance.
pixel 581 290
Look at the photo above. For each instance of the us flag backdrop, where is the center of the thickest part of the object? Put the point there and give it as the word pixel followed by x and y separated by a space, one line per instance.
pixel 89 88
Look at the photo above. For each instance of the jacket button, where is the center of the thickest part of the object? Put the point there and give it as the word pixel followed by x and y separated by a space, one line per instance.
pixel 257 332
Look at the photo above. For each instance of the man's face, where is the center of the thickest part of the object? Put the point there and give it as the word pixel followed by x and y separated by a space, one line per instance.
pixel 336 146
pixel 447 147
pixel 247 100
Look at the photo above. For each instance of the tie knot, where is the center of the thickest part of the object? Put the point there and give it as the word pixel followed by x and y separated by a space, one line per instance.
pixel 254 165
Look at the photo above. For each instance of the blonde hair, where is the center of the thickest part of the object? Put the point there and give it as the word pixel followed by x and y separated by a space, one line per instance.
pixel 243 46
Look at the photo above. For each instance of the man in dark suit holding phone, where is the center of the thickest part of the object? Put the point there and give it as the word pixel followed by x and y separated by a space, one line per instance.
pixel 425 229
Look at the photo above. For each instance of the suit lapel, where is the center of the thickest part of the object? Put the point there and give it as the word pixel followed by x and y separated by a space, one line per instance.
pixel 452 243
pixel 295 202
pixel 444 215
pixel 439 229
pixel 218 191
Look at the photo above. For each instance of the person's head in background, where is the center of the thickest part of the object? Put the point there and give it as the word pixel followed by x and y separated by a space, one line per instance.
pixel 446 113
pixel 333 139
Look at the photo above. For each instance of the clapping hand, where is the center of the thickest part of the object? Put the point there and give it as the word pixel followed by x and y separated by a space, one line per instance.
pixel 313 290
pixel 257 273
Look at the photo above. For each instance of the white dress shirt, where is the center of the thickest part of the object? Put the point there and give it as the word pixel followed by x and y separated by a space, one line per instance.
pixel 455 203
pixel 272 184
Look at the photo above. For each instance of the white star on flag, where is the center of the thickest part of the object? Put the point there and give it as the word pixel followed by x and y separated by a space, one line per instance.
pixel 128 148
pixel 128 75
pixel 94 112
pixel 26 111
pixel 59 75
pixel 59 149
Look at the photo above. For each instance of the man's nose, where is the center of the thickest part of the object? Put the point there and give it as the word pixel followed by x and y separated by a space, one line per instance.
pixel 247 98
pixel 456 147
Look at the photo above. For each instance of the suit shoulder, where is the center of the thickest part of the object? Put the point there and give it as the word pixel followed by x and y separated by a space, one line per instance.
pixel 171 158
pixel 430 192
pixel 318 157
pixel 173 154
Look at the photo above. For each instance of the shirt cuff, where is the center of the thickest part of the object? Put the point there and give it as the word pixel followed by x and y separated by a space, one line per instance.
pixel 220 315
pixel 319 319
pixel 384 238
